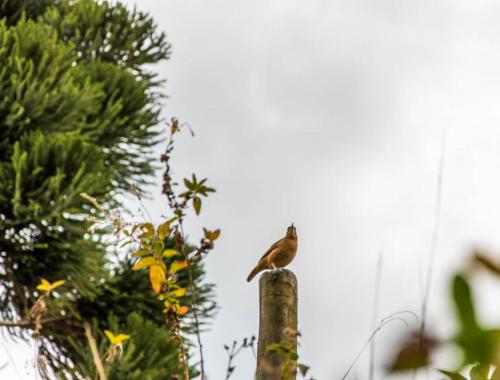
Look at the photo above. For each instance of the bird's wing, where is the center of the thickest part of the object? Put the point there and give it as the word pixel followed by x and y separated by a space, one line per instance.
pixel 274 246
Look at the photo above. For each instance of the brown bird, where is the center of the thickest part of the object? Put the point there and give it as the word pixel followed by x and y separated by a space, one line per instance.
pixel 279 255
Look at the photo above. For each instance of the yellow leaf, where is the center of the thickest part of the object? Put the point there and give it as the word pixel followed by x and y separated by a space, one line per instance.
pixel 116 339
pixel 140 253
pixel 157 277
pixel 110 335
pixel 164 229
pixel 177 266
pixel 174 126
pixel 197 205
pixel 179 292
pixel 211 235
pixel 182 310
pixel 149 231
pixel 57 284
pixel 120 338
pixel 44 285
pixel 47 286
pixel 170 253
pixel 144 262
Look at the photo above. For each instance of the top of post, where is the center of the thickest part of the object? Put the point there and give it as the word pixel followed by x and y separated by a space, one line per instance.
pixel 278 276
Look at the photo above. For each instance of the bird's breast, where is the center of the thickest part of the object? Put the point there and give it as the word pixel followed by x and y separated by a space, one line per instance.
pixel 284 254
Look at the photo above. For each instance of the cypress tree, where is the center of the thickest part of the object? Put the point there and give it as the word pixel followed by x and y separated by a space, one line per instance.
pixel 79 113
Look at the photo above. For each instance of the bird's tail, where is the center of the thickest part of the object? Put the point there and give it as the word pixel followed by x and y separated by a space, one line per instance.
pixel 255 270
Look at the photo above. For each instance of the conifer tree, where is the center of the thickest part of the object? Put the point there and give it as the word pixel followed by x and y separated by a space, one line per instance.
pixel 79 113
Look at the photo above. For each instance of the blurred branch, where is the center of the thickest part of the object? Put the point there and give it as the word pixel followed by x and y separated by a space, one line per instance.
pixel 435 234
pixel 29 323
pixel 95 352
pixel 376 300
pixel 234 350
pixel 483 259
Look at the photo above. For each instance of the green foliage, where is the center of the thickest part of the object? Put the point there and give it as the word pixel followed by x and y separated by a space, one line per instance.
pixel 150 353
pixel 480 346
pixel 79 114
pixel 464 305
pixel 453 375
pixel 38 85
pixel 195 190
pixel 289 356
pixel 477 372
pixel 98 31
pixel 12 10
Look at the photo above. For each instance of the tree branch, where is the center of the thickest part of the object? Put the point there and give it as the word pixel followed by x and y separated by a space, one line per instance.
pixel 95 352
pixel 29 323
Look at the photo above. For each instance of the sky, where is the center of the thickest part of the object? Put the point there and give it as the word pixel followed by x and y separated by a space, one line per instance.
pixel 331 115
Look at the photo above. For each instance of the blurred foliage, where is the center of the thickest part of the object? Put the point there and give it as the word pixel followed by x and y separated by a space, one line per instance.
pixel 480 346
pixel 79 113
pixel 286 350
pixel 148 355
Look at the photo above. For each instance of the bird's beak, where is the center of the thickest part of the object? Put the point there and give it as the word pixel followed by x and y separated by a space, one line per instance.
pixel 292 225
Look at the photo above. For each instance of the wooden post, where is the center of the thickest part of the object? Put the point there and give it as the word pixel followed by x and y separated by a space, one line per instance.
pixel 278 313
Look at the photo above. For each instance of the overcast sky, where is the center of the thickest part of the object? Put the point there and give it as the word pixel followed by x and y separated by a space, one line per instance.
pixel 330 114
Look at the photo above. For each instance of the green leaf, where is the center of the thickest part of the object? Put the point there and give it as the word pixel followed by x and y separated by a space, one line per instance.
pixel 197 205
pixel 164 229
pixel 148 231
pixel 211 235
pixel 464 304
pixel 279 348
pixel 204 190
pixel 170 253
pixel 480 372
pixel 495 375
pixel 303 369
pixel 452 375
pixel 157 246
pixel 273 347
pixel 141 252
pixel 188 184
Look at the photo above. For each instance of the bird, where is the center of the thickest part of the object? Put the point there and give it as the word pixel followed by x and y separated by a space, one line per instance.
pixel 279 255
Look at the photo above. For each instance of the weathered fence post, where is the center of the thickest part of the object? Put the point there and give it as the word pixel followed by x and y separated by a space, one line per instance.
pixel 278 312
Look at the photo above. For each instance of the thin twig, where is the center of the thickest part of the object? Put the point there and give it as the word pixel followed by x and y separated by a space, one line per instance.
pixel 142 209
pixel 234 351
pixel 383 322
pixel 231 354
pixel 194 307
pixel 378 276
pixel 95 352
pixel 184 362
pixel 435 232
pixel 400 313
pixel 30 323
pixel 178 207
